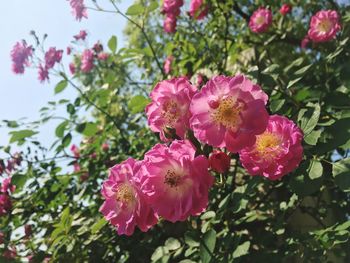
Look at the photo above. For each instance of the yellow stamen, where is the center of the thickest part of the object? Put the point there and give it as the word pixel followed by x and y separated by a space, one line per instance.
pixel 228 113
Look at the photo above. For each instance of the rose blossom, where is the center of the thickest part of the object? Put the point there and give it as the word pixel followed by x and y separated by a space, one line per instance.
pixel 276 152
pixel 198 10
pixel 103 56
pixel 52 56
pixel 6 186
pixel 87 61
pixel 175 182
pixel 167 64
pixel 172 6
pixel 260 20
pixel 305 42
pixel 219 161
pixel 72 68
pixel 229 112
pixel 81 36
pixel 170 107
pixel 324 26
pixel 170 23
pixel 78 9
pixel 124 204
pixel 20 55
pixel 5 204
pixel 285 9
pixel 43 73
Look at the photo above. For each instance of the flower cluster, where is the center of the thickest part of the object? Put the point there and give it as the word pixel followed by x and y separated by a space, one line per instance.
pixel 171 9
pixel 20 55
pixel 173 182
pixel 78 9
pixel 198 10
pixel 6 187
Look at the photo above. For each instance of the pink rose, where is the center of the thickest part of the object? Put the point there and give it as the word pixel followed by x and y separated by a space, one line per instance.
pixel 324 26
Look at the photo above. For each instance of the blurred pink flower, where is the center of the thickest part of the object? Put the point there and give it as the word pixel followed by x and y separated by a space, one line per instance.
pixel 75 150
pixel 167 64
pixel 43 73
pixel 5 204
pixel 78 9
pixel 260 20
pixel 20 55
pixel 69 50
pixel 81 36
pixel 305 42
pixel 6 186
pixel 72 68
pixel 172 6
pixel 103 56
pixel 229 112
pixel 285 9
pixel 52 56
pixel 170 107
pixel 175 182
pixel 87 61
pixel 105 147
pixel 124 204
pixel 276 152
pixel 324 26
pixel 10 253
pixel 219 161
pixel 198 10
pixel 2 237
pixel 76 167
pixel 170 23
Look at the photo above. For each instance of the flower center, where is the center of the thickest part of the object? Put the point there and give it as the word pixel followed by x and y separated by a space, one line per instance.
pixel 260 20
pixel 228 113
pixel 170 113
pixel 125 193
pixel 172 179
pixel 268 144
pixel 325 25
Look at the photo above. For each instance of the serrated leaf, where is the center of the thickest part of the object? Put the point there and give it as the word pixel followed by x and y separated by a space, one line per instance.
pixel 112 44
pixel 207 246
pixel 135 9
pixel 61 86
pixel 341 174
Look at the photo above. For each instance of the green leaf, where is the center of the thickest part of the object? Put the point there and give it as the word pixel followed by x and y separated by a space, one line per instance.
pixel 153 6
pixel 309 119
pixel 300 182
pixel 135 9
pixel 207 246
pixel 292 82
pixel 137 104
pixel 87 128
pixel 61 128
pixel 112 44
pixel 66 140
pixel 61 86
pixel 341 174
pixel 241 250
pixel 172 243
pixel 315 169
pixel 21 135
pixel 313 137
pixel 276 105
pixel 98 225
pixel 302 70
pixel 18 180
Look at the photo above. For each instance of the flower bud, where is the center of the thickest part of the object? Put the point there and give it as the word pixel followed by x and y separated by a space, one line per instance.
pixel 219 161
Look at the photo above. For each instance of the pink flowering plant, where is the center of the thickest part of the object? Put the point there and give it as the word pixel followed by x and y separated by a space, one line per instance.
pixel 218 132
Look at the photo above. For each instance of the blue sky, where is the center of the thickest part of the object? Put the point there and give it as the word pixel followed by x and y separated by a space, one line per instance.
pixel 23 95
